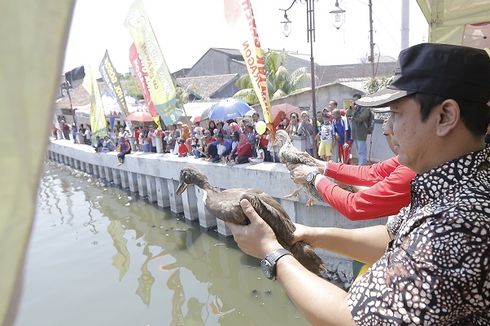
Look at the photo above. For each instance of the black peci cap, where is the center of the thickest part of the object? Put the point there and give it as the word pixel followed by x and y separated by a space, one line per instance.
pixel 458 72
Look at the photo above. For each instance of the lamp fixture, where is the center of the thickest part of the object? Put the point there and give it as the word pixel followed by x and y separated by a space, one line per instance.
pixel 339 15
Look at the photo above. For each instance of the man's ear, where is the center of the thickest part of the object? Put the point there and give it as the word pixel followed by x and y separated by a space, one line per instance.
pixel 448 116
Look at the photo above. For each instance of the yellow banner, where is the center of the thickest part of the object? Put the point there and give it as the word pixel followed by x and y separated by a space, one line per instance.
pixel 98 123
pixel 160 85
pixel 239 14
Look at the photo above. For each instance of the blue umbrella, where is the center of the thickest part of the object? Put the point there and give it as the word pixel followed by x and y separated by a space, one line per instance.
pixel 228 109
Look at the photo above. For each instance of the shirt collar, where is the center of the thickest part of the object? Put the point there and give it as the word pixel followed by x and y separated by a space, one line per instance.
pixel 435 182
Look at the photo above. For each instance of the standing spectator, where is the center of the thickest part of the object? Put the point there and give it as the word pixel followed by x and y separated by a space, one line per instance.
pixel 88 135
pixel 137 138
pixel 74 132
pixel 339 136
pixel 157 133
pixel 307 130
pixel 326 139
pixel 359 117
pixel 293 126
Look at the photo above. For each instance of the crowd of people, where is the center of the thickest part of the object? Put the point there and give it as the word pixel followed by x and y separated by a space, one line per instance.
pixel 231 142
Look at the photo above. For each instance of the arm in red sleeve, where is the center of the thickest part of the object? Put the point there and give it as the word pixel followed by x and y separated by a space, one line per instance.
pixel 362 175
pixel 384 198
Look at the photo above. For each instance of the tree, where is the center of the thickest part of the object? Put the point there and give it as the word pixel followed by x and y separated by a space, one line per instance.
pixel 280 82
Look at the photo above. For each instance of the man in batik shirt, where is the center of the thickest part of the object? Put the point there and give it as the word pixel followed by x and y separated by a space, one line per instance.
pixel 431 264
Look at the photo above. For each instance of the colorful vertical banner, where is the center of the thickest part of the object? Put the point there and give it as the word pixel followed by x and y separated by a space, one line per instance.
pixel 109 74
pixel 239 15
pixel 160 84
pixel 141 78
pixel 97 117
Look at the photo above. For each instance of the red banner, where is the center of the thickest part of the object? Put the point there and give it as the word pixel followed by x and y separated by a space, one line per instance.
pixel 141 77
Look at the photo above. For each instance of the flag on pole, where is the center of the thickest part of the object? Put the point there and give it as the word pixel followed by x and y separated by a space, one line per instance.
pixel 160 83
pixel 109 74
pixel 239 15
pixel 75 76
pixel 141 79
pixel 97 117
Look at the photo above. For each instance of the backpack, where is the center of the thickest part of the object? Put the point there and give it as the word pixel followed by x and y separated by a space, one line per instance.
pixel 370 122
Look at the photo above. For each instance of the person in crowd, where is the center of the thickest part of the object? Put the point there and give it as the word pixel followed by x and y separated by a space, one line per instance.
pixel 153 139
pixel 211 126
pixel 170 138
pixel 325 136
pixel 243 151
pixel 195 147
pixel 259 158
pixel 339 136
pixel 223 149
pixel 219 127
pixel 293 126
pixel 255 118
pixel 186 131
pixel 281 122
pixel 182 150
pixel 177 134
pixel 197 130
pixel 98 144
pixel 146 141
pixel 88 136
pixel 137 138
pixel 359 117
pixel 307 130
pixel 74 133
pixel 430 263
pixel 157 140
pixel 108 145
pixel 124 148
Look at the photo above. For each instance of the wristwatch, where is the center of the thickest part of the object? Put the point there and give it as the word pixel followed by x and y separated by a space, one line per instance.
pixel 310 177
pixel 268 264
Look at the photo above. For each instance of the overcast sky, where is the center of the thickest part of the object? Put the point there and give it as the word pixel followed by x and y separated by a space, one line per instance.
pixel 186 29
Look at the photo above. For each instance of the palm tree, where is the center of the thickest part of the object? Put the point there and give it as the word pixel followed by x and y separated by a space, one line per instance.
pixel 280 82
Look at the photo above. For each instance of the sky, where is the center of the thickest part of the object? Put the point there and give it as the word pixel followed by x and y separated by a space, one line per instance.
pixel 186 29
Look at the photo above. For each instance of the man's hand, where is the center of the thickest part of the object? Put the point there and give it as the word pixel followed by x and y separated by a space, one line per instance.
pixel 304 233
pixel 256 239
pixel 299 171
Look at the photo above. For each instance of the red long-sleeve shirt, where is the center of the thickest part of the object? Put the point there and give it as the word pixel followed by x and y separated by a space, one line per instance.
pixel 388 192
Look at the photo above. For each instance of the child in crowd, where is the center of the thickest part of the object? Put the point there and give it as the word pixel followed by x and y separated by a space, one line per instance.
pixel 260 156
pixel 182 149
pixel 326 138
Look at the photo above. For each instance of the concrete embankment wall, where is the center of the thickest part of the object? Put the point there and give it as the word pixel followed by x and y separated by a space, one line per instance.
pixel 156 177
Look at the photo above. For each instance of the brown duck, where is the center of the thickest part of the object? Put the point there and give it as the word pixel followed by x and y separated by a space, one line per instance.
pixel 225 205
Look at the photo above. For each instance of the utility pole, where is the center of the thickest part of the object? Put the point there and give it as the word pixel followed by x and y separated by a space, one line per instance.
pixel 371 42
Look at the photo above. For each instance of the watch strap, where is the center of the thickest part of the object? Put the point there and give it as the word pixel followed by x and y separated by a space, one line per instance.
pixel 274 256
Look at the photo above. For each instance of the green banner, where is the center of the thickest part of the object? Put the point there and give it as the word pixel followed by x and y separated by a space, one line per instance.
pixel 160 85
pixel 98 123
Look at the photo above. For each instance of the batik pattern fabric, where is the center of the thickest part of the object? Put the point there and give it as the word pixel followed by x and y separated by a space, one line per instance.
pixel 436 269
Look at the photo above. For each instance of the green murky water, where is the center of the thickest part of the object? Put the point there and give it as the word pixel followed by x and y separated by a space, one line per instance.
pixel 99 256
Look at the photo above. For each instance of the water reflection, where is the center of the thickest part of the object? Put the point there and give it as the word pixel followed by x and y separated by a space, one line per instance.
pixel 181 274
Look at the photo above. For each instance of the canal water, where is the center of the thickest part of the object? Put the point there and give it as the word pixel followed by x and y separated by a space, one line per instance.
pixel 100 256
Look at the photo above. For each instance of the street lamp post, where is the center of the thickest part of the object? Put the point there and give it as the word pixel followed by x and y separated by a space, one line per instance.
pixel 310 37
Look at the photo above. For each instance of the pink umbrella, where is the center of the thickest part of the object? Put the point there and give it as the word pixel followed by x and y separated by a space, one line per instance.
pixel 286 108
pixel 140 116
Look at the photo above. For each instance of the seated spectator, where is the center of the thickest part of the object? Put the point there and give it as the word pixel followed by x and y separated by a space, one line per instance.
pixel 182 150
pixel 98 144
pixel 223 148
pixel 195 147
pixel 107 145
pixel 260 156
pixel 243 151
pixel 123 148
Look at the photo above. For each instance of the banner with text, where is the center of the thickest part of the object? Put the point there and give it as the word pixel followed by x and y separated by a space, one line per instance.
pixel 98 123
pixel 109 74
pixel 239 15
pixel 142 79
pixel 160 84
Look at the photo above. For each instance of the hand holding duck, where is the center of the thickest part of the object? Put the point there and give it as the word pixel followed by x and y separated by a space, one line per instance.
pixel 257 238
